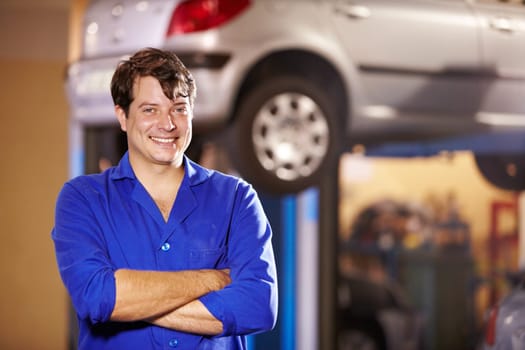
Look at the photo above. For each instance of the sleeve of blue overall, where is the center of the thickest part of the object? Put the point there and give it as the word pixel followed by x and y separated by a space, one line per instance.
pixel 81 253
pixel 249 304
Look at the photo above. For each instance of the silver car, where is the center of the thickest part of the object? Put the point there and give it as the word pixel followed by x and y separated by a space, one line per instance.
pixel 299 80
pixel 505 327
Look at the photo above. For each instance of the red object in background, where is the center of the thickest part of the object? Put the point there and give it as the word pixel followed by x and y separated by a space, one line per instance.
pixel 499 241
pixel 197 15
pixel 490 332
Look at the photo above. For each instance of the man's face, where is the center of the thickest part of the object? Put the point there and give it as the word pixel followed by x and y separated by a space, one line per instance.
pixel 159 129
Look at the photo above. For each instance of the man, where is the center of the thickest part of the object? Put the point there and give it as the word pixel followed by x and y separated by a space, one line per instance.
pixel 159 252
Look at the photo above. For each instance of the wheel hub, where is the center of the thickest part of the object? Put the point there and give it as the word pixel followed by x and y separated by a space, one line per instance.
pixel 290 136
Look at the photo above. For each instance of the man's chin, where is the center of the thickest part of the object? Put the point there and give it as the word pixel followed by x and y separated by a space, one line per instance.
pixel 175 160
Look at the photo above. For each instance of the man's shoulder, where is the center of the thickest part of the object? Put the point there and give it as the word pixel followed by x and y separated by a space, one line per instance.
pixel 90 181
pixel 217 179
pixel 222 177
pixel 199 173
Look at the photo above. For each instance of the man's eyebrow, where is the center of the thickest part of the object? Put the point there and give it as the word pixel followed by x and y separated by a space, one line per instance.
pixel 147 103
pixel 180 100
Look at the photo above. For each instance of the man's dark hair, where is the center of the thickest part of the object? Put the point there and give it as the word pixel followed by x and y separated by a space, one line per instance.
pixel 165 66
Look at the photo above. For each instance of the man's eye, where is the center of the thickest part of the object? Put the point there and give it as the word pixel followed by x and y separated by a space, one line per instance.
pixel 181 110
pixel 148 110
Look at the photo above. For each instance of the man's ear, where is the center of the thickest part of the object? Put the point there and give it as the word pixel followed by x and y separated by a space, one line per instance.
pixel 121 116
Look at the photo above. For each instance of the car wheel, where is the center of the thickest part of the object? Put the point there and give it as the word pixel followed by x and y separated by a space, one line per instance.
pixel 503 171
pixel 286 134
pixel 357 339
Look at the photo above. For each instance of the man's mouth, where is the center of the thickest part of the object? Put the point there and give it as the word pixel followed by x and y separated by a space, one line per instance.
pixel 162 139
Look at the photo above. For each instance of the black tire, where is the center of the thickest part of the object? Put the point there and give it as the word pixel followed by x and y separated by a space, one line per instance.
pixel 286 134
pixel 503 171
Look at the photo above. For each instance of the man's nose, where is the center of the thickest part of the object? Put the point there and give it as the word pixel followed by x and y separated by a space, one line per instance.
pixel 166 121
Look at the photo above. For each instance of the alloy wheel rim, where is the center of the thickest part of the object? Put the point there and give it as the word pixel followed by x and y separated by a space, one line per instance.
pixel 290 136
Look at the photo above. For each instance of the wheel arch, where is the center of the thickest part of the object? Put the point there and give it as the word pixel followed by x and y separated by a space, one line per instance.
pixel 302 63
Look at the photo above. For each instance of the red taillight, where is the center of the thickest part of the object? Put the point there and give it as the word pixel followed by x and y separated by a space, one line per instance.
pixel 196 15
pixel 490 332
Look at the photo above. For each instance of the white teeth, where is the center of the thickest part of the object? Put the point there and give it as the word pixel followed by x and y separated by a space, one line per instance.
pixel 158 139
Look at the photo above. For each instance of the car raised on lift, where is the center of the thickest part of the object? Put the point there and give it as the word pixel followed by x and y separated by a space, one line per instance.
pixel 300 80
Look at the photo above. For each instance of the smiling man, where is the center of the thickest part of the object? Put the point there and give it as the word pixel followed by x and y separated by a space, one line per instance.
pixel 159 252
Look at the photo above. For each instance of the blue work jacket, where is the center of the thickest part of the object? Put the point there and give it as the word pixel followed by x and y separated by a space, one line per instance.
pixel 108 221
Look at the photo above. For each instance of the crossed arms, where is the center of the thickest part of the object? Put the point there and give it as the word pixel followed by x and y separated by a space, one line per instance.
pixel 150 296
pixel 106 284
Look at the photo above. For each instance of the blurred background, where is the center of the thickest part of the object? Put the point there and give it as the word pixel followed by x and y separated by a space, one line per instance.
pixel 34 158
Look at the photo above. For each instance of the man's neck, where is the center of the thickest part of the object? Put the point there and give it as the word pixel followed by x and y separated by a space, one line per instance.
pixel 161 181
pixel 153 174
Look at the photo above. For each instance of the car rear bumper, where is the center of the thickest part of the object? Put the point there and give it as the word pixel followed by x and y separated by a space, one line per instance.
pixel 88 88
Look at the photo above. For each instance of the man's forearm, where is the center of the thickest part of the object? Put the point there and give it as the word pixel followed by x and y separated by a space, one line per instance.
pixel 193 317
pixel 145 294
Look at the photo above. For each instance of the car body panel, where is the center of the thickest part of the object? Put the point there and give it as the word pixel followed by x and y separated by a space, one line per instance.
pixel 399 61
pixel 411 47
pixel 117 28
pixel 510 322
pixel 503 53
